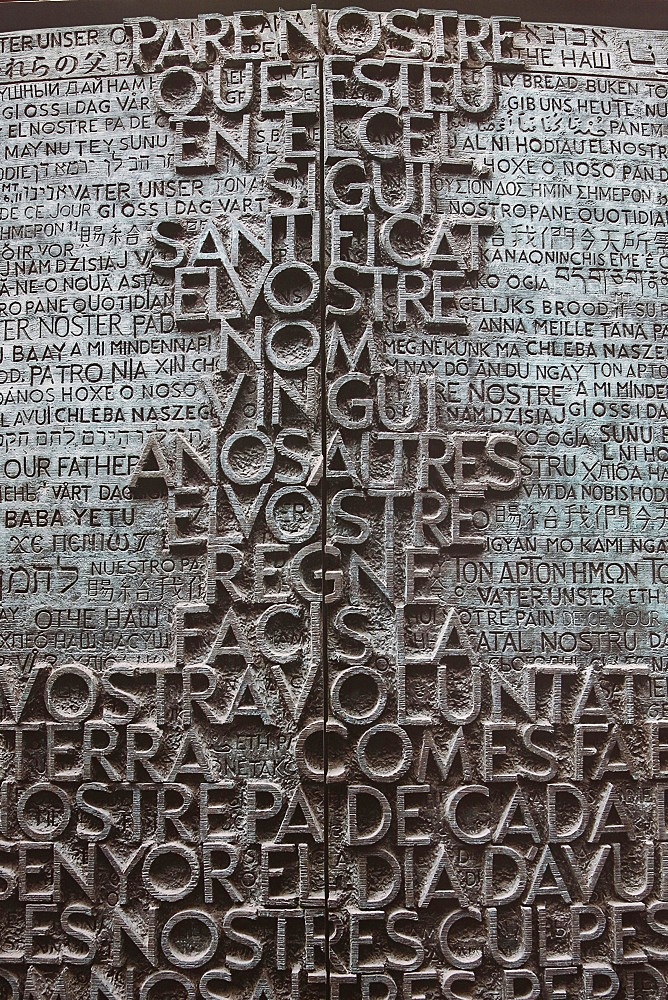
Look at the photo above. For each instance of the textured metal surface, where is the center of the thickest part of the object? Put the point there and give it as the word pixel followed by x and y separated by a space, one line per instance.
pixel 333 508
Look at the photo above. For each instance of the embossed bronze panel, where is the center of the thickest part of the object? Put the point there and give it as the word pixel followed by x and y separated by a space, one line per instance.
pixel 333 451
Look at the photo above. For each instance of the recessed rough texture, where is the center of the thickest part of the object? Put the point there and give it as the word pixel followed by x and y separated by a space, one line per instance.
pixel 333 509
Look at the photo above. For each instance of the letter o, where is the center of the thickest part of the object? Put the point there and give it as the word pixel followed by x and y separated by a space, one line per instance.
pixel 252 476
pixel 166 977
pixel 167 891
pixel 394 771
pixel 40 832
pixel 89 679
pixel 189 959
pixel 302 533
pixel 180 104
pixel 345 41
pixel 368 715
pixel 285 363
pixel 284 305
